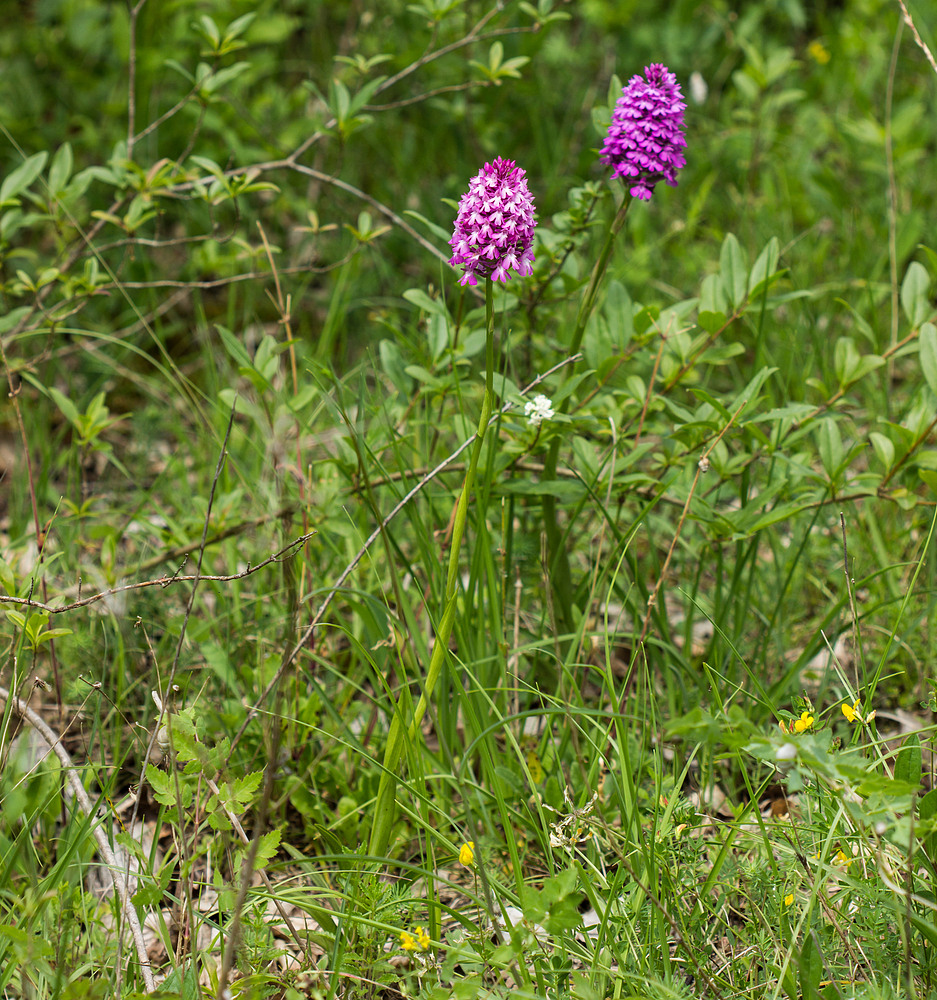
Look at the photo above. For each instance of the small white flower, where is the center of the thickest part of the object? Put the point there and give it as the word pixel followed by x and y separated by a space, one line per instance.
pixel 786 752
pixel 538 409
pixel 699 90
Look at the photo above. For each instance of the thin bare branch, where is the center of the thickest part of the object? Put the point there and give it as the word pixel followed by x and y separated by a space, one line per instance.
pixel 163 581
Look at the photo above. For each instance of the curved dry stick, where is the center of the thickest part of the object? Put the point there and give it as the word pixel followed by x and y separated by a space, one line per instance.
pixel 53 741
pixel 286 552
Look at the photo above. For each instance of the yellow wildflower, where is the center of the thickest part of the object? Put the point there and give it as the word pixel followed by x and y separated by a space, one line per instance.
pixel 853 714
pixel 417 941
pixel 467 854
pixel 819 51
pixel 842 858
pixel 805 721
pixel 788 899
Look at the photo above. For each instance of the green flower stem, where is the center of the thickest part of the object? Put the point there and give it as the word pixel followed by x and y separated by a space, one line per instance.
pixel 397 739
pixel 560 576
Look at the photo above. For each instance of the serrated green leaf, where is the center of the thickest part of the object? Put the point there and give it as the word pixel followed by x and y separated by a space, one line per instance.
pixel 532 904
pixel 159 781
pixel 267 848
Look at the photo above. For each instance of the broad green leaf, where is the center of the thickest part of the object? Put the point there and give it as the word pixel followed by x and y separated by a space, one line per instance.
pixel 927 344
pixel 19 179
pixel 712 296
pixel 235 348
pixel 504 387
pixel 61 168
pixel 421 300
pixel 364 95
pixel 830 445
pixel 14 316
pixel 766 263
pixel 845 359
pixel 720 354
pixel 908 763
pixel 850 365
pixel 749 395
pixel 733 271
pixel 927 806
pixel 422 375
pixel 563 490
pixel 437 335
pixel 884 449
pixel 926 928
pixel 182 982
pixel 929 478
pixel 392 363
pixel 68 408
pixel 619 310
pixel 711 322
pixel 164 790
pixel 793 411
pixel 914 299
pixel 780 513
pixel 810 965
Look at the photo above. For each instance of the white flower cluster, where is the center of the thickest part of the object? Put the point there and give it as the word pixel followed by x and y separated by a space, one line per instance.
pixel 538 409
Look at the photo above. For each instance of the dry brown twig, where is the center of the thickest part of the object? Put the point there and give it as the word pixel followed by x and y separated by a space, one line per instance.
pixel 906 14
pixel 163 581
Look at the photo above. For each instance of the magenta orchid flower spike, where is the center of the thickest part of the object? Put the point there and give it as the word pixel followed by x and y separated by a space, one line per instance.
pixel 646 138
pixel 494 228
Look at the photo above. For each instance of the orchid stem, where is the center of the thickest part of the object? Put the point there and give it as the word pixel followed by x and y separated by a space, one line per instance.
pixel 400 732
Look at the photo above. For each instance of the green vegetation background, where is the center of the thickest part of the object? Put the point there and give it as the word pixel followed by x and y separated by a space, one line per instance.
pixel 263 225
